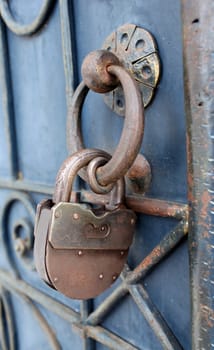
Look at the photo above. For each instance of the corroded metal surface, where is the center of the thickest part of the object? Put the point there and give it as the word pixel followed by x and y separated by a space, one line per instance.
pixel 86 275
pixel 131 138
pixel 139 176
pixel 148 206
pixel 95 71
pixel 80 250
pixel 137 51
pixel 199 91
pixel 160 328
pixel 74 226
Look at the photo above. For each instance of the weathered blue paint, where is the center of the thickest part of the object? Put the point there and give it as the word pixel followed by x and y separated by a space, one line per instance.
pixel 38 83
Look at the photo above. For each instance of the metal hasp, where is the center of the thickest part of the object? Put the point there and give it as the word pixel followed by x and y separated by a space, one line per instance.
pixel 199 90
pixel 137 51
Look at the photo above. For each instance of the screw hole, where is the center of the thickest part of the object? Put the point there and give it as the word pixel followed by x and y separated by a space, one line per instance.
pixel 140 44
pixel 119 103
pixel 146 71
pixel 200 104
pixel 196 20
pixel 124 38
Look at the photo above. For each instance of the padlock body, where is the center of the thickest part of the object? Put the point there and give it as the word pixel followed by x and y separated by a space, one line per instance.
pixel 86 252
pixel 41 230
pixel 84 276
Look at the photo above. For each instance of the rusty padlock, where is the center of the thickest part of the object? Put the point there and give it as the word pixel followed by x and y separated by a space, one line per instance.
pixel 80 250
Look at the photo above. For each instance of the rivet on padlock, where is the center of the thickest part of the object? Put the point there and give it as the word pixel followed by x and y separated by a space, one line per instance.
pixel 80 250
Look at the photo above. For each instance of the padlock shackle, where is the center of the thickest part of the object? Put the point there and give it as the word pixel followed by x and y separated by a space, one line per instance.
pixel 69 170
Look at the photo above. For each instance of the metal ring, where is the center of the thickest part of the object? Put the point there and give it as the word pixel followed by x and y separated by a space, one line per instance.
pixel 69 169
pixel 132 133
pixel 91 171
pixel 24 29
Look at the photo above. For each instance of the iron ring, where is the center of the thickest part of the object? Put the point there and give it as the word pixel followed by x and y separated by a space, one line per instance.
pixel 70 168
pixel 91 171
pixel 132 134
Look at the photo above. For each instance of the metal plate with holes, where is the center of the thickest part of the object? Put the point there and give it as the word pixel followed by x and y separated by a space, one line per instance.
pixel 137 51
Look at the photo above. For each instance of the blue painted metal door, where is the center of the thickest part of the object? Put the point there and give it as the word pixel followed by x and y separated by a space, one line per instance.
pixel 40 68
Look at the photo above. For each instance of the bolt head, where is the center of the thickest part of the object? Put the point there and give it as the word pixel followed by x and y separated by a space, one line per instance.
pixel 75 216
pixel 20 246
pixel 132 221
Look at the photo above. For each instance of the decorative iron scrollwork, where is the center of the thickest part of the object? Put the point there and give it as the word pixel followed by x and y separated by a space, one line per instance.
pixel 25 29
pixel 20 240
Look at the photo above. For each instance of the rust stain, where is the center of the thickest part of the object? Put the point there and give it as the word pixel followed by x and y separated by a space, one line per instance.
pixel 208 314
pixel 205 198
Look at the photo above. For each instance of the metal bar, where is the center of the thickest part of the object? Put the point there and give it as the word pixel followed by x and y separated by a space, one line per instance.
pixel 167 244
pixel 86 307
pixel 143 205
pixel 23 185
pixel 7 104
pixel 157 254
pixel 23 288
pixel 67 21
pixel 154 318
pixel 109 339
pixel 3 341
pixel 157 207
pixel 148 206
pixel 43 324
pixel 98 315
pixel 7 336
pixel 67 34
pixel 198 51
pixel 9 319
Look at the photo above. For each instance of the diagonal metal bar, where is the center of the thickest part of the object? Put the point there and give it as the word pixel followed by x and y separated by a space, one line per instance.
pixel 17 285
pixel 97 333
pixel 9 319
pixel 3 341
pixel 154 318
pixel 103 309
pixel 168 243
pixel 109 339
pixel 43 324
pixel 7 336
pixel 151 314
